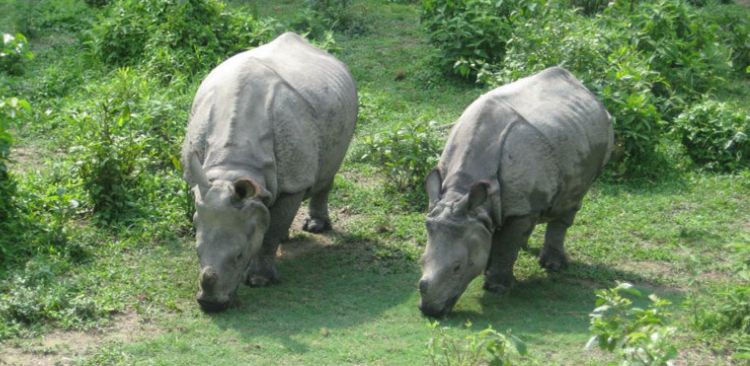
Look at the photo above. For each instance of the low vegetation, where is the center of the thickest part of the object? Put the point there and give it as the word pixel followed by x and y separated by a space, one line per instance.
pixel 95 220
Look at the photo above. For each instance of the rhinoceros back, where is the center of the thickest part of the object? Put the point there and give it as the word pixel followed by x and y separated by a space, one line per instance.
pixel 282 113
pixel 544 138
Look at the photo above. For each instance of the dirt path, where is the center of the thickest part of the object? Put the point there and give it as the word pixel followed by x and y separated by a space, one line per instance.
pixel 64 347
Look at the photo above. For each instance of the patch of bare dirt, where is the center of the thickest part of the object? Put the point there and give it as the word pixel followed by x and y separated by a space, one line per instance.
pixel 744 2
pixel 64 347
pixel 301 242
pixel 25 158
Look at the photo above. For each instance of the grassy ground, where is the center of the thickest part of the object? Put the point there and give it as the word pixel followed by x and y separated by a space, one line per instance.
pixel 349 297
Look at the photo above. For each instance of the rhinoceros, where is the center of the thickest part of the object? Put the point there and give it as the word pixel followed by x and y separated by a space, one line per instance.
pixel 268 128
pixel 522 154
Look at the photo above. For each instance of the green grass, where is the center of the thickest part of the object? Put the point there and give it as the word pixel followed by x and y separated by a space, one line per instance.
pixel 348 297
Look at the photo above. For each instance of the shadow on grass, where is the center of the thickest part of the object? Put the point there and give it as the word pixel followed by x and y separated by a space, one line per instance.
pixel 339 281
pixel 550 305
pixel 327 282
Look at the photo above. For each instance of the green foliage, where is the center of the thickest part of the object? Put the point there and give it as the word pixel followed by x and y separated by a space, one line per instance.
pixel 38 18
pixel 470 29
pixel 734 23
pixel 405 155
pixel 645 60
pixel 10 110
pixel 716 135
pixel 14 51
pixel 682 46
pixel 36 296
pixel 639 336
pixel 338 15
pixel 175 36
pixel 111 152
pixel 486 347
pixel 589 7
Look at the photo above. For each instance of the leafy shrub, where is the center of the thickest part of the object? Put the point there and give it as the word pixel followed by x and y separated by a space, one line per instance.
pixel 405 155
pixel 471 30
pixel 682 46
pixel 716 135
pixel 337 15
pixel 110 153
pixel 14 51
pixel 589 7
pixel 639 336
pixel 42 17
pixel 734 22
pixel 486 347
pixel 175 36
pixel 35 296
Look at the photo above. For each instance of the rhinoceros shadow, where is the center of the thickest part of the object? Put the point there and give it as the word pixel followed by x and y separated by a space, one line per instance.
pixel 328 281
pixel 555 303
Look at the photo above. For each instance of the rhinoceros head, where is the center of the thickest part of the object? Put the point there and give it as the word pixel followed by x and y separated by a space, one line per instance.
pixel 458 245
pixel 230 221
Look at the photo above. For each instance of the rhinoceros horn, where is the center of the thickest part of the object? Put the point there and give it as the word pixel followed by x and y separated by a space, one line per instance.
pixel 196 171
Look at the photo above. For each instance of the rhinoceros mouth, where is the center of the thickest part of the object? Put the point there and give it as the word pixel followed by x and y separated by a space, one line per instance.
pixel 439 311
pixel 212 306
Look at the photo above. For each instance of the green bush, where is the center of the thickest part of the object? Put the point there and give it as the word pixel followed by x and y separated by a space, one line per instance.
pixel 734 23
pixel 716 135
pixel 173 37
pixel 14 51
pixel 646 60
pixel 682 46
pixel 405 155
pixel 486 347
pixel 639 336
pixel 37 18
pixel 338 15
pixel 468 30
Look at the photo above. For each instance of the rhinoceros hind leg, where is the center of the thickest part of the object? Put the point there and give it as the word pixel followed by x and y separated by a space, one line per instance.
pixel 552 256
pixel 318 220
pixel 262 269
pixel 506 242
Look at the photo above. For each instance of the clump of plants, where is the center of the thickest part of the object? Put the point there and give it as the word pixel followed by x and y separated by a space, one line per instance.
pixel 174 37
pixel 13 53
pixel 486 347
pixel 716 135
pixel 639 336
pixel 405 155
pixel 331 15
pixel 647 61
pixel 9 111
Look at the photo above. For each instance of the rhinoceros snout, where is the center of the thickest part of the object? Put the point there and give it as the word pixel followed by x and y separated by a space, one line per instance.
pixel 210 306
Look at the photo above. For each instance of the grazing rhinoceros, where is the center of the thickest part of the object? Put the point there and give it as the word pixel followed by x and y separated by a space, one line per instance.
pixel 268 128
pixel 522 154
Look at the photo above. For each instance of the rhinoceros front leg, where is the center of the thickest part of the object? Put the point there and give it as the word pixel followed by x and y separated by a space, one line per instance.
pixel 553 257
pixel 262 268
pixel 318 220
pixel 505 245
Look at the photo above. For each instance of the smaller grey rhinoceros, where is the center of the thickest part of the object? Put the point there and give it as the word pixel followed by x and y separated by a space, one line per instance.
pixel 268 128
pixel 522 154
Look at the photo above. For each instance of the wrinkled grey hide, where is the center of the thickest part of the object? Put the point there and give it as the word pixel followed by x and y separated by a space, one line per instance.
pixel 268 128
pixel 522 154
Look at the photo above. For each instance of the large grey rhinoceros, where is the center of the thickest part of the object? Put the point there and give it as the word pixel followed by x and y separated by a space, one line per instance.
pixel 268 128
pixel 522 154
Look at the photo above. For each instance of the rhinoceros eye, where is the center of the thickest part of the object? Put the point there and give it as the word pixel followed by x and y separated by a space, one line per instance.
pixel 456 268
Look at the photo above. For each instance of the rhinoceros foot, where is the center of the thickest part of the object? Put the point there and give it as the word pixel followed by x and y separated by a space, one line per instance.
pixel 497 288
pixel 316 225
pixel 553 260
pixel 261 272
pixel 499 283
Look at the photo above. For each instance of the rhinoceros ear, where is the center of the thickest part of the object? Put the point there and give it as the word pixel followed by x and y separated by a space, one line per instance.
pixel 433 185
pixel 478 194
pixel 245 188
